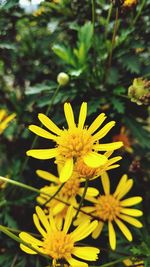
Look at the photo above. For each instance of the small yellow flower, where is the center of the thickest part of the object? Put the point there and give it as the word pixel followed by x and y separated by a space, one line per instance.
pixel 130 262
pixel 5 119
pixel 59 244
pixel 111 208
pixel 78 141
pixel 129 3
pixel 68 194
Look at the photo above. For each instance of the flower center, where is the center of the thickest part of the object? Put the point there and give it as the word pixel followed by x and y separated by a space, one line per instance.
pixel 71 187
pixel 85 171
pixel 59 245
pixel 75 143
pixel 107 207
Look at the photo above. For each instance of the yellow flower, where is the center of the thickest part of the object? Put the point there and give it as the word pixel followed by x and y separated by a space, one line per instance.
pixel 130 262
pixel 129 3
pixel 78 141
pixel 5 119
pixel 71 189
pixel 112 208
pixel 59 244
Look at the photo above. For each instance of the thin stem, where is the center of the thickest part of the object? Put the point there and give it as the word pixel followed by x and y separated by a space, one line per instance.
pixel 113 38
pixel 36 137
pixel 139 12
pixel 19 240
pixel 53 196
pixel 14 260
pixel 113 262
pixel 94 45
pixel 82 199
pixel 108 19
pixel 43 193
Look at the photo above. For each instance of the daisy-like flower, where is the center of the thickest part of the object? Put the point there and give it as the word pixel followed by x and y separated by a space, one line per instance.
pixel 59 244
pixel 5 119
pixel 68 193
pixel 112 208
pixel 78 141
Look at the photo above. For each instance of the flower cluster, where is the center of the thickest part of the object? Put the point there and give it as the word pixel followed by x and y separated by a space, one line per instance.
pixel 81 157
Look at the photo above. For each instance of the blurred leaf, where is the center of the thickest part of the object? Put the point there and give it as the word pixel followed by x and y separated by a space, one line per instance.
pixel 118 105
pixel 131 63
pixel 38 88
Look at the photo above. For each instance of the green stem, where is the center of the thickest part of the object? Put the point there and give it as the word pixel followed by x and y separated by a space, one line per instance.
pixel 107 20
pixel 42 193
pixel 113 262
pixel 82 199
pixel 36 137
pixel 113 38
pixel 139 12
pixel 19 240
pixel 94 45
pixel 53 196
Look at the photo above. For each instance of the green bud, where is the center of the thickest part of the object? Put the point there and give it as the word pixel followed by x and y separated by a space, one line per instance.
pixel 139 90
pixel 62 78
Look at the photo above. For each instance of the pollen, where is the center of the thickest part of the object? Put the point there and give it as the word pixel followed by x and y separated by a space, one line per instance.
pixel 71 187
pixel 58 245
pixel 74 143
pixel 107 207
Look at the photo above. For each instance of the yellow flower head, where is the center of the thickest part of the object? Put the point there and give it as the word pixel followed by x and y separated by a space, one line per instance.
pixel 113 209
pixel 59 244
pixel 68 193
pixel 5 120
pixel 75 142
pixel 129 3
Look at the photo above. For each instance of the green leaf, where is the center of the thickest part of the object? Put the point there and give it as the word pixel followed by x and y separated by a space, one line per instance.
pixel 38 88
pixel 131 63
pixel 85 35
pixel 64 53
pixel 118 105
pixel 139 132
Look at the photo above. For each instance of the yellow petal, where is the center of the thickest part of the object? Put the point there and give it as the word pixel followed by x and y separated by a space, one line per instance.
pixel 132 212
pixel 49 124
pixel 113 160
pixel 127 187
pixel 52 222
pixel 94 160
pixel 68 219
pixel 86 253
pixel 30 239
pixel 3 113
pixel 69 115
pixel 97 123
pixel 47 176
pixel 66 171
pixel 100 134
pixel 130 201
pixel 121 184
pixel 38 226
pixel 91 191
pixel 58 208
pixel 112 236
pixel 131 220
pixel 27 250
pixel 83 230
pixel 76 263
pixel 96 233
pixel 124 229
pixel 82 115
pixel 108 147
pixel 43 218
pixel 43 153
pixel 41 132
pixel 105 183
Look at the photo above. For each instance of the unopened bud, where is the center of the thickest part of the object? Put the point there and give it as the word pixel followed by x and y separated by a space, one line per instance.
pixel 139 91
pixel 62 78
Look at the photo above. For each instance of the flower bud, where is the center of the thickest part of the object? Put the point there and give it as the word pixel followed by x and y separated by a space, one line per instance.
pixel 139 91
pixel 62 78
